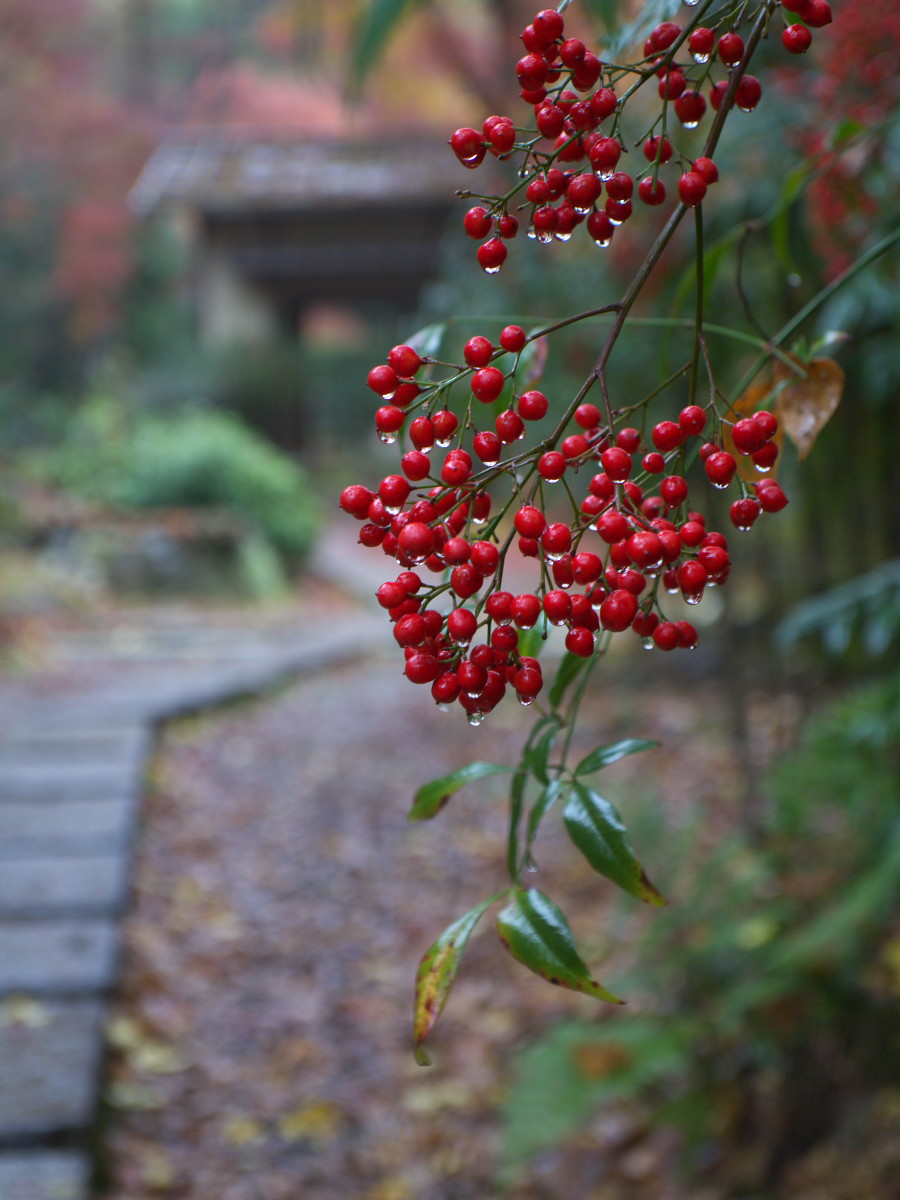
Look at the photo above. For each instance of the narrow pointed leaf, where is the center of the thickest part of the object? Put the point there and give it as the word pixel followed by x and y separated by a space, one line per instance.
pixel 535 931
pixel 536 757
pixel 431 797
pixel 541 807
pixel 379 22
pixel 597 830
pixel 569 669
pixel 604 756
pixel 437 971
pixel 427 341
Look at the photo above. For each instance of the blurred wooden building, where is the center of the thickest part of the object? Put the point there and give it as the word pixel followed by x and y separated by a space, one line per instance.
pixel 276 226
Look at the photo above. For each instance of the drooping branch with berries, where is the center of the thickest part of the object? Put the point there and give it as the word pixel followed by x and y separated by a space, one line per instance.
pixel 596 500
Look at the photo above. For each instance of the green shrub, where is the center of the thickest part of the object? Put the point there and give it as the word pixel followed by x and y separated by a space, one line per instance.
pixel 770 975
pixel 199 458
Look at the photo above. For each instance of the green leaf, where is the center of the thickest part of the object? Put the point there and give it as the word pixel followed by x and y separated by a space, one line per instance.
pixel 535 931
pixel 427 341
pixel 607 11
pixel 531 642
pixel 437 971
pixel 570 668
pixel 531 363
pixel 536 756
pixel 604 756
pixel 431 797
pixel 542 806
pixel 597 830
pixel 379 22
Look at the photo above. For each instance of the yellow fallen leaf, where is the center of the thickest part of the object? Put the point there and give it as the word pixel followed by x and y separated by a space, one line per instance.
pixel 805 405
pixel 318 1122
pixel 157 1058
pixel 596 1060
pixel 24 1010
pixel 243 1131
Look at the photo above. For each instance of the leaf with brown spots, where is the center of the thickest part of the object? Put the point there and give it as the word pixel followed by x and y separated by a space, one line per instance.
pixel 535 931
pixel 806 404
pixel 437 971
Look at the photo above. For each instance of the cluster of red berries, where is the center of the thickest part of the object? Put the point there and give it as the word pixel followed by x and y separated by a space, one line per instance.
pixel 568 161
pixel 629 535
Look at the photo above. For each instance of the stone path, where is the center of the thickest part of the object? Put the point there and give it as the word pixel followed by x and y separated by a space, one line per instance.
pixel 72 764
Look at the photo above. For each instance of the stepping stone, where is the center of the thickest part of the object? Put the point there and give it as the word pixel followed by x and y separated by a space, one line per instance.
pixel 50 1053
pixel 103 745
pixel 31 828
pixel 44 1175
pixel 85 885
pixel 66 780
pixel 62 956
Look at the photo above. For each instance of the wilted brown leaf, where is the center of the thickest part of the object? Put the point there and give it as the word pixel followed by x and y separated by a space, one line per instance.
pixel 805 404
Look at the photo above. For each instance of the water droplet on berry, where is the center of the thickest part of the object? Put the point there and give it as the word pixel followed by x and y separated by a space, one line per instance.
pixel 693 598
pixel 475 719
pixel 392 509
pixel 672 588
pixel 526 701
pixel 602 242
pixel 690 3
pixel 388 436
pixel 443 442
pixel 762 470
pixel 562 237
pixel 615 221
pixel 545 237
pixel 489 271
pixel 647 643
pixel 720 486
pixel 700 59
pixel 606 174
pixel 532 234
pixel 694 124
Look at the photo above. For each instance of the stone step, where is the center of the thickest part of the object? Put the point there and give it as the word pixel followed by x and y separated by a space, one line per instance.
pixel 50 1051
pixel 30 780
pixel 30 829
pixel 44 1175
pixel 87 885
pixel 75 744
pixel 59 956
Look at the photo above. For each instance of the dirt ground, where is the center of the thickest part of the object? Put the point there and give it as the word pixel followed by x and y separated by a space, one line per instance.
pixel 261 1047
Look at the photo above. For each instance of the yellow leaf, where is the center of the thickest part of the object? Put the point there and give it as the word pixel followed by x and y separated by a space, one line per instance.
pixel 319 1122
pixel 243 1131
pixel 806 404
pixel 596 1060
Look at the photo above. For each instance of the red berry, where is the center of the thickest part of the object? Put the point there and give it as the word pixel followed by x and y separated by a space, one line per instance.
pixel 587 416
pixel 748 94
pixel 731 49
pixel 416 465
pixel 586 567
pixel 616 463
pixel 744 512
pixel 817 13
pixel 492 256
pixel 652 191
pixel 748 435
pixel 422 667
pixel 771 496
pixel 467 144
pixel 548 25
pixel 445 688
pixel 487 384
pixel 691 188
pixel 692 419
pixel 618 610
pixel 600 228
pixel 645 550
pixel 421 433
pixel 530 521
pixel 557 605
pixel 604 154
pixel 701 43
pixel 445 424
pixel 485 557
pixel 764 458
pixel 355 501
pixel 532 405
pixel 580 641
pixel 674 490
pixel 510 427
pixel 689 108
pixel 604 103
pixel 477 351
pixel 662 37
pixel 653 462
pixel 525 610
pixel 552 466
pixel 666 635
pixel 767 422
pixel 383 380
pixel 393 491
pixel 465 580
pixel 687 635
pixel 657 148
pixel 513 338
pixel 667 436
pixel 404 360
pixel 488 447
pixel 720 468
pixel 707 169
pixel 692 576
